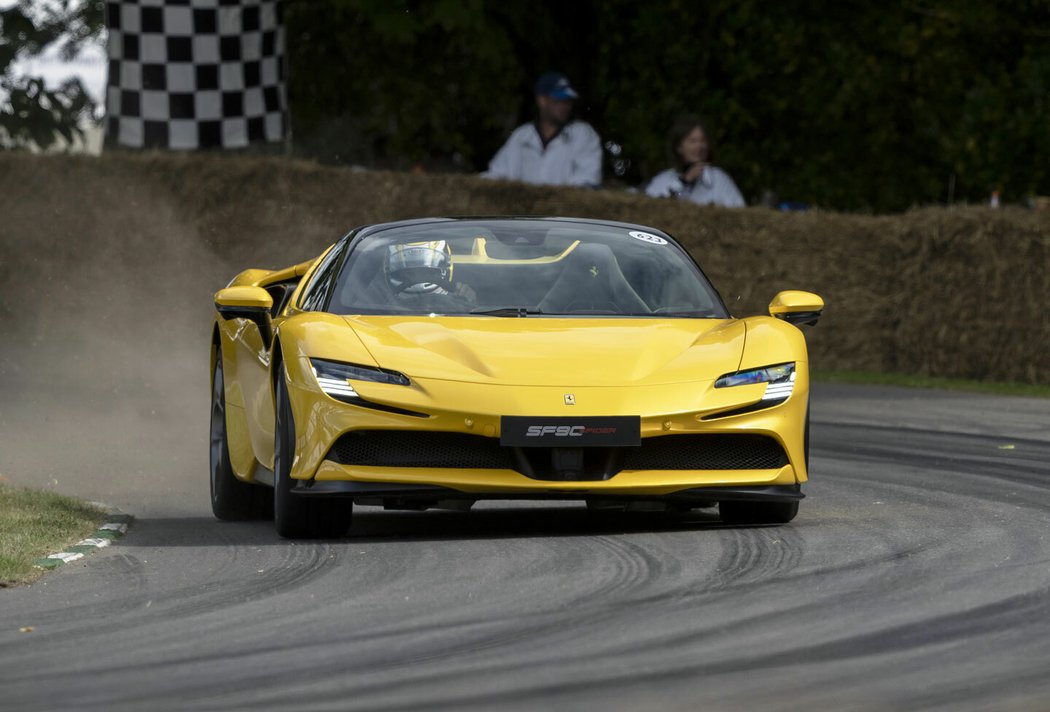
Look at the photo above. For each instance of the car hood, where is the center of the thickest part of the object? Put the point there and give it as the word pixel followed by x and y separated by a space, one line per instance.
pixel 553 351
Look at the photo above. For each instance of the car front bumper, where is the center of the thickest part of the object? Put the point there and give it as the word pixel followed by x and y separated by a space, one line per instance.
pixel 666 412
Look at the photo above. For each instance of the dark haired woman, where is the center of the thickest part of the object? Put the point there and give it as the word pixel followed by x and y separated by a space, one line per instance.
pixel 694 178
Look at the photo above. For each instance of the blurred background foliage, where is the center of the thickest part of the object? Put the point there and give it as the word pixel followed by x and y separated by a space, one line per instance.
pixel 30 111
pixel 846 105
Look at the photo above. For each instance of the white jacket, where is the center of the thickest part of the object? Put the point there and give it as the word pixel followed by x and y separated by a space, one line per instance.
pixel 573 157
pixel 713 187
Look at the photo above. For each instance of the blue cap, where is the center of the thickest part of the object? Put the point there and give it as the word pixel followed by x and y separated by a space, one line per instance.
pixel 556 86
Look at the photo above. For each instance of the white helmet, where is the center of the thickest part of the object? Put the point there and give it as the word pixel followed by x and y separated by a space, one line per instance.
pixel 420 267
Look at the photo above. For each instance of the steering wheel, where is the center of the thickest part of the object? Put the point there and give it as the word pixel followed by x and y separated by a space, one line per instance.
pixel 407 286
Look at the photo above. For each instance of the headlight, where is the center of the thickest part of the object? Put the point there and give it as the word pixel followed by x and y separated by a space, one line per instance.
pixel 334 377
pixel 780 380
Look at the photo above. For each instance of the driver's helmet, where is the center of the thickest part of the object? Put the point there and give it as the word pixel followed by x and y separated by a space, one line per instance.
pixel 420 267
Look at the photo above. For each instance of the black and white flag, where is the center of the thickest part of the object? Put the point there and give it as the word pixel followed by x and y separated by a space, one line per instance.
pixel 195 74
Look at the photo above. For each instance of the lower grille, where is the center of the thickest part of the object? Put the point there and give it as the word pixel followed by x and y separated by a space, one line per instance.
pixel 707 452
pixel 406 448
pixel 403 448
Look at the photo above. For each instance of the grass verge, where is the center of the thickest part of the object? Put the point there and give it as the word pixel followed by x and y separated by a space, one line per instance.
pixel 952 384
pixel 34 524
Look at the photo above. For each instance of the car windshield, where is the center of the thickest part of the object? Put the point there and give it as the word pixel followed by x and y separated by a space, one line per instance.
pixel 520 268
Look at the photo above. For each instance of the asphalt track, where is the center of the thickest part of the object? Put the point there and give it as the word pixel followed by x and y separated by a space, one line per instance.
pixel 917 576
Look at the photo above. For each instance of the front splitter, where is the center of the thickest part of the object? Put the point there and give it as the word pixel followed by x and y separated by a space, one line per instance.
pixel 344 488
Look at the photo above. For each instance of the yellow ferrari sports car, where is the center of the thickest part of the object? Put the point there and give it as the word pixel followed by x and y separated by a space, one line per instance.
pixel 437 362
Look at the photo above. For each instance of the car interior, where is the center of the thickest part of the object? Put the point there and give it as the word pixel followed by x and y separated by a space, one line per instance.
pixel 563 271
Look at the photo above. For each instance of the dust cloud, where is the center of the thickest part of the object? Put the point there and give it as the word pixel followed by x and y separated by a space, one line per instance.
pixel 104 337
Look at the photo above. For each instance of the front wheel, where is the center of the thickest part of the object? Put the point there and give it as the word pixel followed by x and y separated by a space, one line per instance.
pixel 295 516
pixel 738 512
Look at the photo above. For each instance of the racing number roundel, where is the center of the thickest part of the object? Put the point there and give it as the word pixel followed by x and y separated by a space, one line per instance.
pixel 647 237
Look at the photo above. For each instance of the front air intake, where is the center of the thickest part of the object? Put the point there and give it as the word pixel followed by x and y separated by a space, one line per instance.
pixel 408 448
pixel 707 452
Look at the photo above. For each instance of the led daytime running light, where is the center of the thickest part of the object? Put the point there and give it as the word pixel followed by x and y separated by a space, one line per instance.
pixel 335 387
pixel 780 390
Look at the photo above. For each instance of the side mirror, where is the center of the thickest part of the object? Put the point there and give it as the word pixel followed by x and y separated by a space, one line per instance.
pixel 798 308
pixel 252 303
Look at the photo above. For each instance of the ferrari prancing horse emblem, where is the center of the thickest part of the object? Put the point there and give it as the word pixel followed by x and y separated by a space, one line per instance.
pixel 570 399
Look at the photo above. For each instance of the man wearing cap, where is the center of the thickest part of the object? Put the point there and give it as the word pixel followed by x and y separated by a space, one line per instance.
pixel 554 149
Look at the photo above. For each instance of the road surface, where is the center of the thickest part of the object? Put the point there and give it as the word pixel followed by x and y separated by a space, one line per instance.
pixel 916 576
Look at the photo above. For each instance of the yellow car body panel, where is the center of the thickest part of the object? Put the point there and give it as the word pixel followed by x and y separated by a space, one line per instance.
pixel 793 300
pixel 572 352
pixel 661 393
pixel 248 388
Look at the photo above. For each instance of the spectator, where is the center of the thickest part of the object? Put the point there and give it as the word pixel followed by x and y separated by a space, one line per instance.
pixel 694 178
pixel 555 149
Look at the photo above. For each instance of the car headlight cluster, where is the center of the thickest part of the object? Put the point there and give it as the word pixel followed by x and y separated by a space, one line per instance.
pixel 334 377
pixel 779 380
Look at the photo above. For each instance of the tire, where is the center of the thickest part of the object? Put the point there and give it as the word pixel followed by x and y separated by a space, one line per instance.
pixel 298 517
pixel 743 512
pixel 231 499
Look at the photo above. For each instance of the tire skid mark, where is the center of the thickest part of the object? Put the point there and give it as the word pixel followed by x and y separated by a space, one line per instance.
pixel 988 619
pixel 946 630
pixel 114 562
pixel 753 555
pixel 298 566
pixel 633 562
pixel 860 645
pixel 632 567
pixel 549 624
pixel 973 455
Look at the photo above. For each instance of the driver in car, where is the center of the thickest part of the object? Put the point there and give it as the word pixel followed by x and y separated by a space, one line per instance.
pixel 420 276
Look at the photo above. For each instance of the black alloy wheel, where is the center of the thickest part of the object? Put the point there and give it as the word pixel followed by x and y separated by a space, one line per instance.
pixel 295 516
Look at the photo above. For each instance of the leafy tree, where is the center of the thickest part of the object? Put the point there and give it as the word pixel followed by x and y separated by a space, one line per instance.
pixel 29 111
pixel 400 82
pixel 845 105
pixel 388 82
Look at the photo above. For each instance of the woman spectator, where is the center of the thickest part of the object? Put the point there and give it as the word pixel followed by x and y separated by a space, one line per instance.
pixel 694 178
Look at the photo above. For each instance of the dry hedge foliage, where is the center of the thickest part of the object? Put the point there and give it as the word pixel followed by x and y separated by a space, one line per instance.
pixel 934 291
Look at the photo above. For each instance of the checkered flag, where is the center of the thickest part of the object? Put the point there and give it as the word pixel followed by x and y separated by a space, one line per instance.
pixel 193 74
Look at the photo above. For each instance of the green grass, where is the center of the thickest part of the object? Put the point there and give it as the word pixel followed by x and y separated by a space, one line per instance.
pixel 34 524
pixel 953 384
